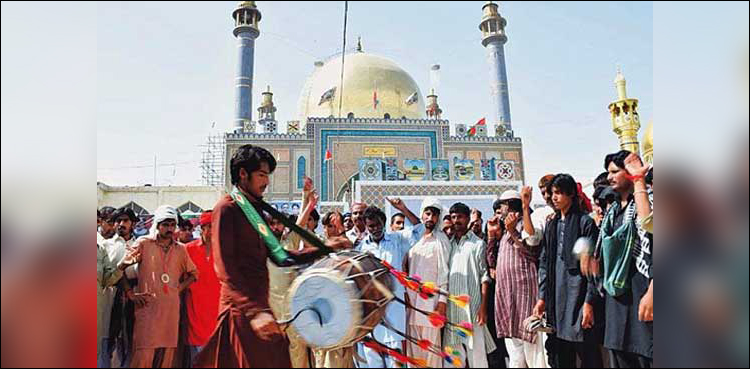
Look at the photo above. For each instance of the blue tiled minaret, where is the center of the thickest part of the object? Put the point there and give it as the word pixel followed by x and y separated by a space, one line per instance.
pixel 246 17
pixel 494 39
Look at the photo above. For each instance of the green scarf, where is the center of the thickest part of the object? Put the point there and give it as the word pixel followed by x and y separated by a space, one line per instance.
pixel 616 251
pixel 276 251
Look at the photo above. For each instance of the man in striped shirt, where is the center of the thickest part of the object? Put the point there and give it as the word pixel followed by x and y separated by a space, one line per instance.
pixel 468 276
pixel 514 255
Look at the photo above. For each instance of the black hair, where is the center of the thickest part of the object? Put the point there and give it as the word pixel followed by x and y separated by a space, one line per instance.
pixel 346 215
pixel 393 218
pixel 515 205
pixel 460 208
pixel 184 223
pixel 497 204
pixel 374 213
pixel 124 211
pixel 250 158
pixel 328 217
pixel 479 212
pixel 447 217
pixel 98 214
pixel 618 158
pixel 315 215
pixel 601 180
pixel 106 213
pixel 568 186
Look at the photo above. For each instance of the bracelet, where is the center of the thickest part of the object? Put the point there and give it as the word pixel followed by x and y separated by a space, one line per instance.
pixel 635 178
pixel 640 191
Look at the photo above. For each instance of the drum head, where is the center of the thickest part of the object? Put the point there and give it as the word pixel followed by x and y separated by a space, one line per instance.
pixel 334 298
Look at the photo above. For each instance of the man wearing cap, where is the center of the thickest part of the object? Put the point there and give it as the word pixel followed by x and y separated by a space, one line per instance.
pixel 428 258
pixel 513 255
pixel 164 271
pixel 202 297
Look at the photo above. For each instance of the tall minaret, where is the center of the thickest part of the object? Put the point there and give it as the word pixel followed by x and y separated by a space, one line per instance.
pixel 625 119
pixel 246 18
pixel 494 39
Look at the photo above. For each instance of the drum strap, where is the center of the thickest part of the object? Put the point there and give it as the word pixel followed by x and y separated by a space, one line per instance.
pixel 277 252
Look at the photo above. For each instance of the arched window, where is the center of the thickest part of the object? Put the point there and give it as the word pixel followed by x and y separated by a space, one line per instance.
pixel 137 209
pixel 301 172
pixel 189 207
pixel 350 116
pixel 387 116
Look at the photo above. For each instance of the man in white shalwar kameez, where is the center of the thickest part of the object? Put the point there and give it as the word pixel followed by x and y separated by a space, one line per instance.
pixel 428 259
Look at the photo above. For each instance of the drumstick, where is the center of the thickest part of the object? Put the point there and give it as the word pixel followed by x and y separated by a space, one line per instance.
pixel 310 308
pixel 305 234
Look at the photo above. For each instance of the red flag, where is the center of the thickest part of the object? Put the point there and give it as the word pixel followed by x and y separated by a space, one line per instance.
pixel 329 155
pixel 473 131
pixel 481 122
pixel 375 101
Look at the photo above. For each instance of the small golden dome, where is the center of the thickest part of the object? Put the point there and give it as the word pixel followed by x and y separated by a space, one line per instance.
pixel 373 87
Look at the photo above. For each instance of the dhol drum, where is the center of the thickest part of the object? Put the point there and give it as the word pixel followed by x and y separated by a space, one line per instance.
pixel 340 299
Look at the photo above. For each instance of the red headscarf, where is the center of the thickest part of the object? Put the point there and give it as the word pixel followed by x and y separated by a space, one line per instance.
pixel 205 218
pixel 585 201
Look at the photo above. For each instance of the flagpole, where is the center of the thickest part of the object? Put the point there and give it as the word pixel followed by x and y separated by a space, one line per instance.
pixel 343 54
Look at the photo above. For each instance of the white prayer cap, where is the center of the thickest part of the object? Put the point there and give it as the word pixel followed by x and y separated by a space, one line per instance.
pixel 431 202
pixel 510 195
pixel 162 213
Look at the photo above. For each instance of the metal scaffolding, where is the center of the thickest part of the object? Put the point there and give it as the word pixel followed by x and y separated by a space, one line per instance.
pixel 212 160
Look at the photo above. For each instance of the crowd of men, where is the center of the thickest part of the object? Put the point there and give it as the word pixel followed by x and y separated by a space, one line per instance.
pixel 569 284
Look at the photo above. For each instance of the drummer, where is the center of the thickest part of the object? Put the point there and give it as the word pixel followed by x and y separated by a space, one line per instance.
pixel 391 248
pixel 247 334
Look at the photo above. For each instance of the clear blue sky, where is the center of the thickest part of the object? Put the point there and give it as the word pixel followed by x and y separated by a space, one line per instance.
pixel 163 71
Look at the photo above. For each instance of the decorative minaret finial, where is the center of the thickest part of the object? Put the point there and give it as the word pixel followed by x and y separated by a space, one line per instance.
pixel 433 109
pixel 494 39
pixel 625 119
pixel 267 112
pixel 246 17
pixel 621 83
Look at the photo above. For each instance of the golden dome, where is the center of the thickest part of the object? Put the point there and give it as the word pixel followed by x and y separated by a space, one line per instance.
pixel 648 144
pixel 365 75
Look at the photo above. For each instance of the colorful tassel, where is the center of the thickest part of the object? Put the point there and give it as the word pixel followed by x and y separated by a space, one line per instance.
pixel 460 301
pixel 437 320
pixel 424 344
pixel 420 363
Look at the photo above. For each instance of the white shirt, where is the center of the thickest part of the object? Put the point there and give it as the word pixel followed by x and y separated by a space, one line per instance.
pixel 539 221
pixel 428 259
pixel 353 235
